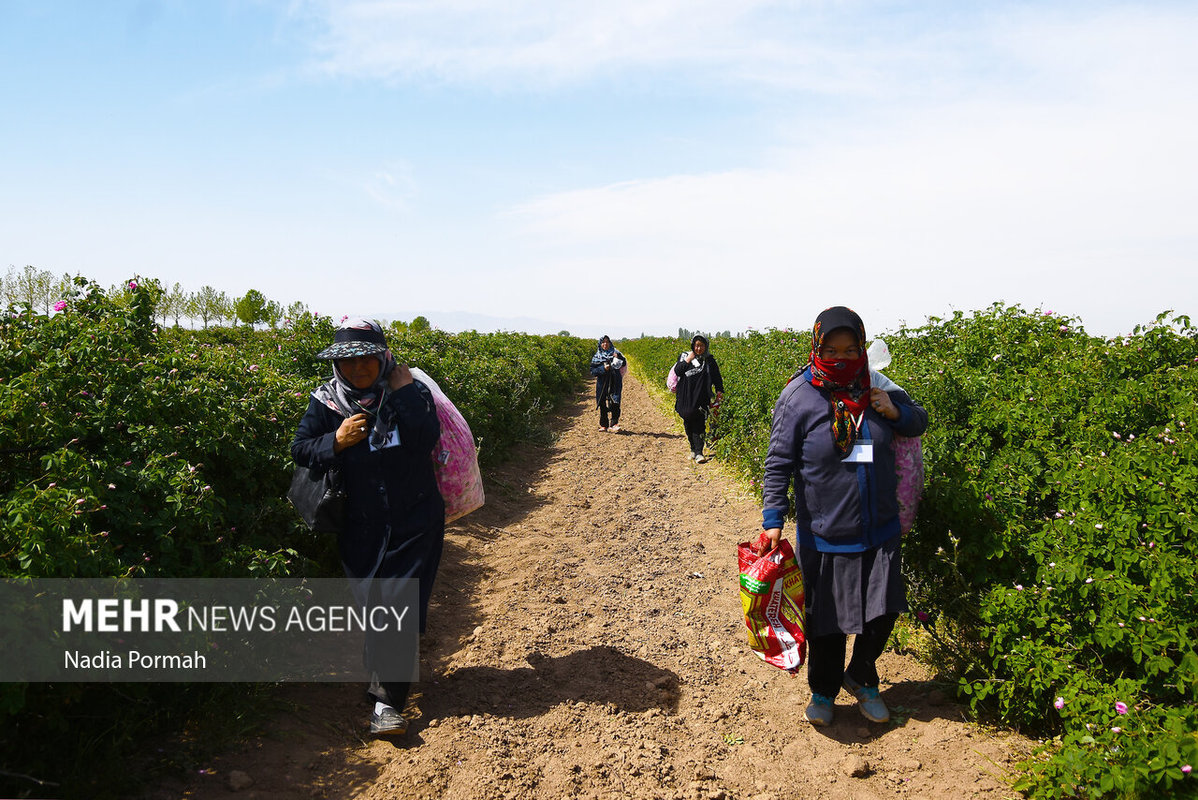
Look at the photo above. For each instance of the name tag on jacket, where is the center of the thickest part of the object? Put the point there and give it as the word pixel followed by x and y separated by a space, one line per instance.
pixel 860 454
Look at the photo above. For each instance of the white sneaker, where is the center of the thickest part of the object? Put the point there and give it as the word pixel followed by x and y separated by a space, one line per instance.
pixel 700 458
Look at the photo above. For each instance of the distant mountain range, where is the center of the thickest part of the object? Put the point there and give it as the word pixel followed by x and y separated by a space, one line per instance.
pixel 456 321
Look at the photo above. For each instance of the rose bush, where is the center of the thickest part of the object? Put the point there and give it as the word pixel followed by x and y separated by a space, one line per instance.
pixel 129 450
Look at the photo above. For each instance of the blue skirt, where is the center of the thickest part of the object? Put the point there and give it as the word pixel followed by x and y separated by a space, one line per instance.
pixel 846 590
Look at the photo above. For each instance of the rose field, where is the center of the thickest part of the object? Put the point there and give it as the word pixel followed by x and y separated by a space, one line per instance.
pixel 1051 571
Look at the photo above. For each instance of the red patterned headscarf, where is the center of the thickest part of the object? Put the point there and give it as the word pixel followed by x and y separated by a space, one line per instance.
pixel 846 380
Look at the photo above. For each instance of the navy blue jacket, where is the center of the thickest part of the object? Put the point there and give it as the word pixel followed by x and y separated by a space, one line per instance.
pixel 839 507
pixel 391 494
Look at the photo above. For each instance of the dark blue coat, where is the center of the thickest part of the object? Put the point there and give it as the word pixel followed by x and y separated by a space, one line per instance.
pixel 839 506
pixel 395 517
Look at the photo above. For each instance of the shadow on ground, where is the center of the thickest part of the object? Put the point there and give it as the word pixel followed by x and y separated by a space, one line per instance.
pixel 597 675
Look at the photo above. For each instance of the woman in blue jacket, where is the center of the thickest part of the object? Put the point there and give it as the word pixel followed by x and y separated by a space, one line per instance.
pixel 609 383
pixel 832 434
pixel 379 427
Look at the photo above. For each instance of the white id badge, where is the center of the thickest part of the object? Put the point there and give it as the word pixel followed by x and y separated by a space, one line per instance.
pixel 379 443
pixel 861 454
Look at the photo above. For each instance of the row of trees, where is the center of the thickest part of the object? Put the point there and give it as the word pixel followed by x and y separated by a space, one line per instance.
pixel 686 335
pixel 40 290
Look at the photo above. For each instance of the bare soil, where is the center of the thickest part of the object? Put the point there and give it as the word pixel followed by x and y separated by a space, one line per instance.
pixel 586 640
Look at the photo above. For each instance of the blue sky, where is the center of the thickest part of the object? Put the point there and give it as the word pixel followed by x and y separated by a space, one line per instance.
pixel 622 166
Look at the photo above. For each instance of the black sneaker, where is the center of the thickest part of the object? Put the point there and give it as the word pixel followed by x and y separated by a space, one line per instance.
pixel 388 723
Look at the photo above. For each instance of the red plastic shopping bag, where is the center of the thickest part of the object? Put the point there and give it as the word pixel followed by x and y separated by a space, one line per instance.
pixel 771 595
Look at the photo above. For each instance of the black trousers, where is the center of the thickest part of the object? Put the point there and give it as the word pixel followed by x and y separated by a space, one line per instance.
pixel 825 657
pixel 695 425
pixel 391 693
pixel 608 406
pixel 412 552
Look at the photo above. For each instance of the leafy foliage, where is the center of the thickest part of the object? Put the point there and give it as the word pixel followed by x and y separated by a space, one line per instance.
pixel 1056 539
pixel 130 450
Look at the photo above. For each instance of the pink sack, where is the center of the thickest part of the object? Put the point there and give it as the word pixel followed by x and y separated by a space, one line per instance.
pixel 672 381
pixel 908 466
pixel 455 459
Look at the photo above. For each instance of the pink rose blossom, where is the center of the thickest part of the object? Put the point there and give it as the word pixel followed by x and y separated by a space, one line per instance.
pixel 60 305
pixel 1186 768
pixel 1121 707
pixel 1116 729
pixel 132 285
pixel 1059 703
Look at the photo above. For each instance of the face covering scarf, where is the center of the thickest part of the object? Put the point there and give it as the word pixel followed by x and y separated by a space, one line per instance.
pixel 847 380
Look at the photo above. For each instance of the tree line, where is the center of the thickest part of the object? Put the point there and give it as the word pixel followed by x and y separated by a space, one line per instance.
pixel 41 290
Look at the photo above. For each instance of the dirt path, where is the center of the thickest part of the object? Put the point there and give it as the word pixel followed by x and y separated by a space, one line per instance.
pixel 586 641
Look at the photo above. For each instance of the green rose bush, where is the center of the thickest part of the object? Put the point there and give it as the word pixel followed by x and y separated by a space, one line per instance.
pixel 132 450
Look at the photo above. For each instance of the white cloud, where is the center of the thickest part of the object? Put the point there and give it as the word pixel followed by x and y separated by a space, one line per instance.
pixel 391 185
pixel 811 45
pixel 1079 195
pixel 543 39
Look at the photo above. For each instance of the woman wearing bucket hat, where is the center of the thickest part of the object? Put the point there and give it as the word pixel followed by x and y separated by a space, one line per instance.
pixel 832 435
pixel 378 426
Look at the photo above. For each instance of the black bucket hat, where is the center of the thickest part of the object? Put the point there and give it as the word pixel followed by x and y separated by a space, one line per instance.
pixel 355 337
